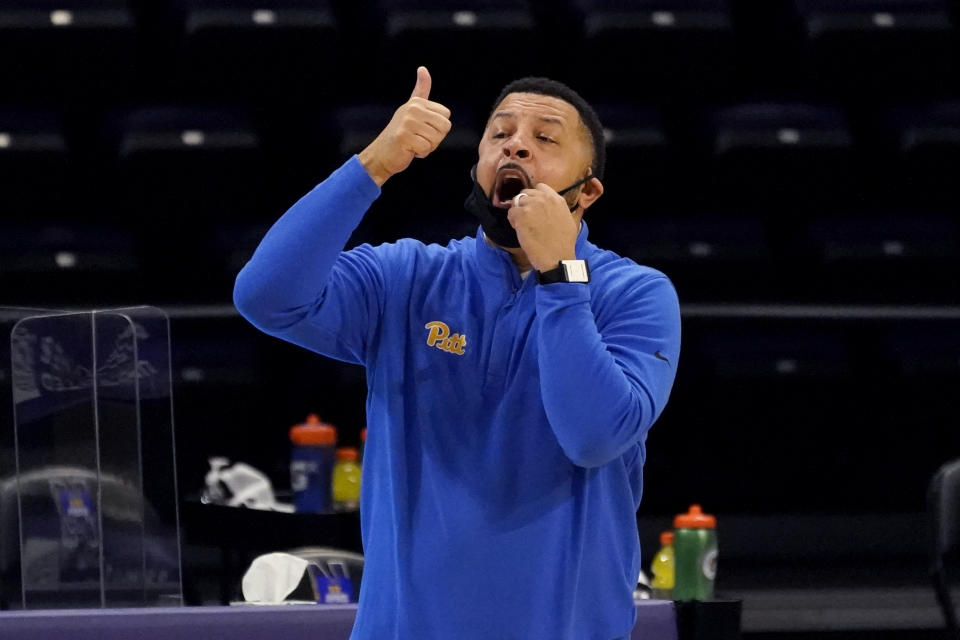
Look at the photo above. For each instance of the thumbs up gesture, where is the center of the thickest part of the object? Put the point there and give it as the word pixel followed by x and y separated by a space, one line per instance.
pixel 415 130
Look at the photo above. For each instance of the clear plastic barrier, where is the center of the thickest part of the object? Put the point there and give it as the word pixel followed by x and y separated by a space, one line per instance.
pixel 89 507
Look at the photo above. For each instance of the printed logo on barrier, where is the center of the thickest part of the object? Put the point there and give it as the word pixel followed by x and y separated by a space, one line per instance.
pixel 441 338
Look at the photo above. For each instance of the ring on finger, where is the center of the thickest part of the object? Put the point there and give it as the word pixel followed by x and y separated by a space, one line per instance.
pixel 516 199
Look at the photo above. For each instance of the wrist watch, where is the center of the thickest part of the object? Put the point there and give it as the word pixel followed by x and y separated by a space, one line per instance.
pixel 566 271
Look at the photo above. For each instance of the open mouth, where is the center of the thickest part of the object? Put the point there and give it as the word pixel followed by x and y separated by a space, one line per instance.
pixel 509 182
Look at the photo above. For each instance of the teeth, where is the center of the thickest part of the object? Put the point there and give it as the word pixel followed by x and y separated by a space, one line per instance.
pixel 509 175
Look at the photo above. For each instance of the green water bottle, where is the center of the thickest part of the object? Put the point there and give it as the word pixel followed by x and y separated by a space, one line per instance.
pixel 695 550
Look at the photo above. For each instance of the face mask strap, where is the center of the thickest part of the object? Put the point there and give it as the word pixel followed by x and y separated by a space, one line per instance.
pixel 574 186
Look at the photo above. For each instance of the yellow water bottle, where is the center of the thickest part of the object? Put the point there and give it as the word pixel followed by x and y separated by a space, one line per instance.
pixel 346 480
pixel 663 568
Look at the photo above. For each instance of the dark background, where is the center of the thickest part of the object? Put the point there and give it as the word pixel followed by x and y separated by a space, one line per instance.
pixel 792 166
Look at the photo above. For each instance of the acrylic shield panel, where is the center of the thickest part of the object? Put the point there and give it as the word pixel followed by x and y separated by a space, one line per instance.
pixel 88 500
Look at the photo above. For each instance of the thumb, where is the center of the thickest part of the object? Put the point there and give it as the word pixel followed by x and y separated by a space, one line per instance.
pixel 422 90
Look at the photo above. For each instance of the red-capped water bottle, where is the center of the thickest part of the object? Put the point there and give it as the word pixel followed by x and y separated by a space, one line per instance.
pixel 311 464
pixel 695 554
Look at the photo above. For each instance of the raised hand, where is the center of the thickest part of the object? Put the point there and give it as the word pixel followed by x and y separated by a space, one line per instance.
pixel 415 130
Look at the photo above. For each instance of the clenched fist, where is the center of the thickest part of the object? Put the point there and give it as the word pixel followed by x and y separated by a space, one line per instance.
pixel 415 130
pixel 546 230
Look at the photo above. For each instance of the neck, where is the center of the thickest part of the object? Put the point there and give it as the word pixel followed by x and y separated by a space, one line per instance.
pixel 518 255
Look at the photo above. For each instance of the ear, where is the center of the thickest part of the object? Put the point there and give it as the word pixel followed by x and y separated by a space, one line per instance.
pixel 589 192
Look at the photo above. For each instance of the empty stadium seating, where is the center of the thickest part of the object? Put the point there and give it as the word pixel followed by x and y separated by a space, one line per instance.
pixel 468 45
pixel 276 52
pixel 159 118
pixel 70 51
pixel 865 49
pixel 34 162
pixel 655 49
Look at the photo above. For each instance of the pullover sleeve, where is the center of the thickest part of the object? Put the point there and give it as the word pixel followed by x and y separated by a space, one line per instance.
pixel 603 387
pixel 302 287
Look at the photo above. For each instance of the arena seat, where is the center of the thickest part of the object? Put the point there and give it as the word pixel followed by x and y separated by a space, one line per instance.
pixel 767 391
pixel 885 237
pixel 643 168
pixel 472 47
pixel 883 258
pixel 183 171
pixel 233 245
pixel 72 263
pixel 35 168
pixel 870 48
pixel 278 52
pixel 189 163
pixel 922 154
pixel 779 156
pixel 76 51
pixel 926 352
pixel 707 257
pixel 655 49
pixel 944 525
pixel 778 352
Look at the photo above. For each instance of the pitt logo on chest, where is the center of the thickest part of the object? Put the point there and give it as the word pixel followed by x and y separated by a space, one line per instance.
pixel 441 338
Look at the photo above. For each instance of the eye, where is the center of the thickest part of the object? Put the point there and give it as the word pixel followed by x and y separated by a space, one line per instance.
pixel 544 138
pixel 500 135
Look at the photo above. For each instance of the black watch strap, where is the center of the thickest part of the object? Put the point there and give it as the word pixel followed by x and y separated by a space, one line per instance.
pixel 557 274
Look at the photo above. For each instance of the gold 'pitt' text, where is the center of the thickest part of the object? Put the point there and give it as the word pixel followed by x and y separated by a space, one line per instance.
pixel 440 338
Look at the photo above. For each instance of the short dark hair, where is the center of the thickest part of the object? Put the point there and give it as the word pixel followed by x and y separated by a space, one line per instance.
pixel 553 88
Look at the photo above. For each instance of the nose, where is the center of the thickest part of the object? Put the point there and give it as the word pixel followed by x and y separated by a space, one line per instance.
pixel 516 147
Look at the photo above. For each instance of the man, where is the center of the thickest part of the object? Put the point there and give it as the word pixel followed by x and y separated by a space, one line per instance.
pixel 509 393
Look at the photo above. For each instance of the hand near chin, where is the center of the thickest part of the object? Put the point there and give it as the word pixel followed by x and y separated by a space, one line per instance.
pixel 545 227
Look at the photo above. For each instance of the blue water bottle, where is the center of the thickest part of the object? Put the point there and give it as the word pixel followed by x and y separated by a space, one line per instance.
pixel 311 465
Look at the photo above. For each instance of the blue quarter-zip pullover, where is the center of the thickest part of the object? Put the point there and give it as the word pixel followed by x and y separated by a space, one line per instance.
pixel 506 419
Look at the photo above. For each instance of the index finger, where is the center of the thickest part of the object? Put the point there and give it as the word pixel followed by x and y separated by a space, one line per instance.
pixel 436 107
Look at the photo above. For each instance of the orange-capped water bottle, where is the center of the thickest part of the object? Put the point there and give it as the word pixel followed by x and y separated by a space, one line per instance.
pixel 695 548
pixel 311 464
pixel 346 480
pixel 662 568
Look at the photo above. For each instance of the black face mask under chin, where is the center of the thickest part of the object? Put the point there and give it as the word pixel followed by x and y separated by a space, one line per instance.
pixel 494 219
